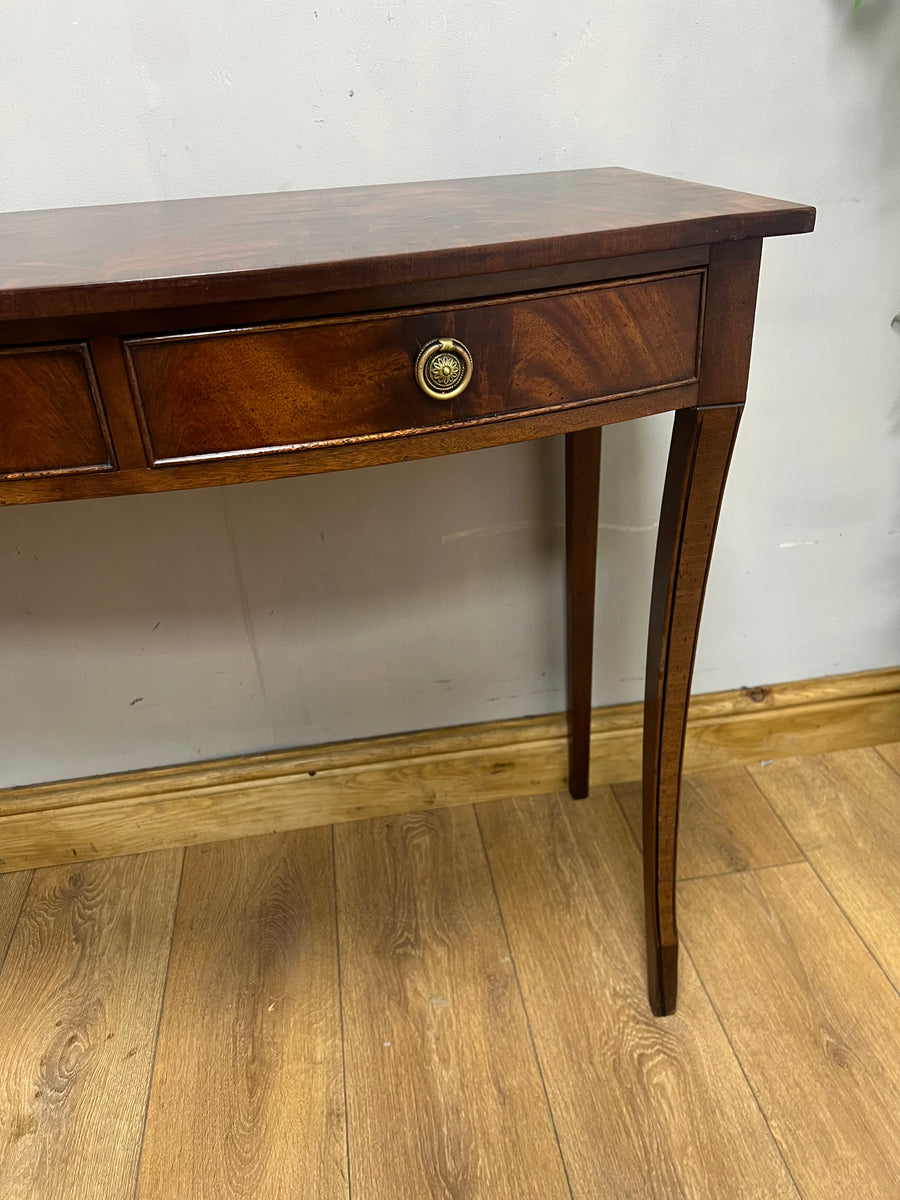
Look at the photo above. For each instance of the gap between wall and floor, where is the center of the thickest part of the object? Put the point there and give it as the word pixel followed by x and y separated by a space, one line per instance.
pixel 110 815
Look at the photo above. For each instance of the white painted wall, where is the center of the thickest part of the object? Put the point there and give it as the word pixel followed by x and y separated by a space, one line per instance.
pixel 157 629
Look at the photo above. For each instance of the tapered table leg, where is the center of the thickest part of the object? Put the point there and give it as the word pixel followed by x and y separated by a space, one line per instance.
pixel 702 441
pixel 582 500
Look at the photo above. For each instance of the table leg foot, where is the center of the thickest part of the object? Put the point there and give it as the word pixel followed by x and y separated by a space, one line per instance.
pixel 662 978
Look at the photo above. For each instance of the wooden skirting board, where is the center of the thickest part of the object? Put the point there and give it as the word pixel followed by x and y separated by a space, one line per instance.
pixel 110 815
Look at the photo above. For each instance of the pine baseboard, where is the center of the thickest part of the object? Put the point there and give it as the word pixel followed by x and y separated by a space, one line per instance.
pixel 110 815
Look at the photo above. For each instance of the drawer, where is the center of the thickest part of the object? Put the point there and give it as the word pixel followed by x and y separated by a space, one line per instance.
pixel 230 392
pixel 51 418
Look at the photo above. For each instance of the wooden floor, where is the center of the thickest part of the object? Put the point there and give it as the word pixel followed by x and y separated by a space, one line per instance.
pixel 451 1005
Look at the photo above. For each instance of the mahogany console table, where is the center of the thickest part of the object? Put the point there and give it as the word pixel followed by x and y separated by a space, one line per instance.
pixel 148 347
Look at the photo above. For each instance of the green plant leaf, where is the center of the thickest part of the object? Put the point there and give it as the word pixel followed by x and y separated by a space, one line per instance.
pixel 857 5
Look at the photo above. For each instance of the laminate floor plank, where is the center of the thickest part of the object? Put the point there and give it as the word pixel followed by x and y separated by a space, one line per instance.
pixel 444 1096
pixel 80 995
pixel 813 1020
pixel 12 896
pixel 247 1096
pixel 724 824
pixel 649 1108
pixel 843 809
pixel 890 752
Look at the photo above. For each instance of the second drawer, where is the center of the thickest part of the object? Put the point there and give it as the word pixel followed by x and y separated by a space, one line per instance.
pixel 263 389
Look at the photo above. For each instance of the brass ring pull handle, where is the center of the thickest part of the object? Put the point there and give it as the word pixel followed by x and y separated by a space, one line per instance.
pixel 444 368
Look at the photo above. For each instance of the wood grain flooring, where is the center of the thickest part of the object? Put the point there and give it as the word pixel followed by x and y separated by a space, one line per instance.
pixel 441 1074
pixel 727 824
pixel 675 1114
pixel 251 1024
pixel 80 995
pixel 813 1020
pixel 848 828
pixel 13 889
pixel 451 1005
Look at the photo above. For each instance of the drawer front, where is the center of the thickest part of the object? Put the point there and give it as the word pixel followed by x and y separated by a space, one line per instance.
pixel 282 387
pixel 51 419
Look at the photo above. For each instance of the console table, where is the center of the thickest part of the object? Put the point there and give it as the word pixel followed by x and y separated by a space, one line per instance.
pixel 179 344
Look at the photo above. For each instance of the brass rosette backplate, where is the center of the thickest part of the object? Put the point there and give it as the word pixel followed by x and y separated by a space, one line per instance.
pixel 444 368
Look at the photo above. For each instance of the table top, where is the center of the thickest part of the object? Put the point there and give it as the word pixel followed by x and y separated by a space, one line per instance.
pixel 110 258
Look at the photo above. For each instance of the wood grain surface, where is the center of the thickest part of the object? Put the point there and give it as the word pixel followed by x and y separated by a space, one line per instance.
pixel 645 1107
pixel 890 752
pixel 50 415
pixel 247 1090
pixel 80 995
pixel 293 384
pixel 813 1020
pixel 113 257
pixel 444 1095
pixel 843 809
pixel 13 889
pixel 725 824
